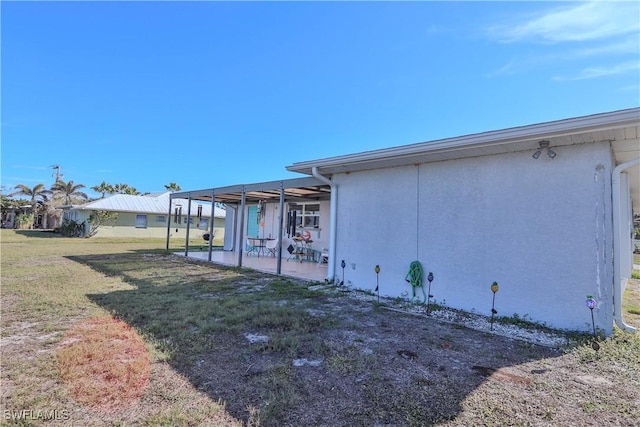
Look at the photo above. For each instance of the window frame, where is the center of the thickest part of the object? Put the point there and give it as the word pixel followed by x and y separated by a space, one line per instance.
pixel 307 215
pixel 138 218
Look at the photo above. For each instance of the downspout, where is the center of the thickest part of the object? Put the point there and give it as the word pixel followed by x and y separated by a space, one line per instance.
pixel 333 219
pixel 618 285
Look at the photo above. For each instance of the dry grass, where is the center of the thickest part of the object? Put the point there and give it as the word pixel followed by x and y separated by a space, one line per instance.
pixel 104 364
pixel 114 332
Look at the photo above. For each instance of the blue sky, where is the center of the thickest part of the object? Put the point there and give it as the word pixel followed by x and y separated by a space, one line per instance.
pixel 208 94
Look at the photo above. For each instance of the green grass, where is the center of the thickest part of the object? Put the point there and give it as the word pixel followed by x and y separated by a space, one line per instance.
pixel 189 311
pixel 181 310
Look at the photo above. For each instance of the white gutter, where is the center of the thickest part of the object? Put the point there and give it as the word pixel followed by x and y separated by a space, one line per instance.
pixel 619 282
pixel 333 216
pixel 560 128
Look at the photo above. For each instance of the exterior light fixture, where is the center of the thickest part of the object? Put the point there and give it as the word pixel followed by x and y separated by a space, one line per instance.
pixel 494 288
pixel 377 270
pixel 591 304
pixel 543 145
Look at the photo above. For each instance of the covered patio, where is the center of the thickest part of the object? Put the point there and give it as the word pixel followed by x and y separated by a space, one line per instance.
pixel 312 271
pixel 240 201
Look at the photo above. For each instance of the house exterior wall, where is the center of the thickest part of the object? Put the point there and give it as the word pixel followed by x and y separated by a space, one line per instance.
pixel 125 227
pixel 540 227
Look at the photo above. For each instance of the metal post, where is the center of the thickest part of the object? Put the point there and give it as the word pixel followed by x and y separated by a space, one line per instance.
pixel 280 228
pixel 169 223
pixel 186 245
pixel 213 219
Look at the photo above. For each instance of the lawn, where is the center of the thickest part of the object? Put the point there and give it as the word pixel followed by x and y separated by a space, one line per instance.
pixel 115 332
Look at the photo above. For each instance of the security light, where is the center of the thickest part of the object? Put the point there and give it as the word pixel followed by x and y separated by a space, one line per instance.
pixel 543 145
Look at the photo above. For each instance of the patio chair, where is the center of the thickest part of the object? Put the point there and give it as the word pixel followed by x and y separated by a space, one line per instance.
pixel 251 247
pixel 323 257
pixel 272 247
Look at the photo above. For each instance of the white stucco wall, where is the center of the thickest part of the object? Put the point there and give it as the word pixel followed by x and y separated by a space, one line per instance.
pixel 540 228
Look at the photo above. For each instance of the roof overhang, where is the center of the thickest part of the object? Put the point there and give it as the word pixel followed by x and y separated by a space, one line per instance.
pixel 295 190
pixel 620 128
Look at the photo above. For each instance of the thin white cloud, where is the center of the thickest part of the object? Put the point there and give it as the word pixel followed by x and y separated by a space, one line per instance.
pixel 630 45
pixel 588 21
pixel 631 88
pixel 596 72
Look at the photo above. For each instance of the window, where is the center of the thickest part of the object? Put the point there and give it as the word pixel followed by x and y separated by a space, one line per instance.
pixel 161 218
pixel 307 215
pixel 141 221
pixel 203 224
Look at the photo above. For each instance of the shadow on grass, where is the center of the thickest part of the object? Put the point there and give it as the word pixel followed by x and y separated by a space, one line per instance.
pixel 43 234
pixel 328 360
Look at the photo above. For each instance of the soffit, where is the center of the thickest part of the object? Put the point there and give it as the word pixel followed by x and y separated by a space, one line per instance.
pixel 295 190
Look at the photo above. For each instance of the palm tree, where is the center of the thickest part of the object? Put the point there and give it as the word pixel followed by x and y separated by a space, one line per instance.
pixel 103 188
pixel 173 187
pixel 131 190
pixel 69 191
pixel 125 189
pixel 37 194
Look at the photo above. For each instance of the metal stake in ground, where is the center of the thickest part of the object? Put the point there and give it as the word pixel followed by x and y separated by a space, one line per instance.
pixel 377 269
pixel 343 265
pixel 591 304
pixel 429 296
pixel 494 289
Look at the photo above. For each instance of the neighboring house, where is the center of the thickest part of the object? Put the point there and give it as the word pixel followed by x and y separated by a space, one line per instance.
pixel 148 216
pixel 545 210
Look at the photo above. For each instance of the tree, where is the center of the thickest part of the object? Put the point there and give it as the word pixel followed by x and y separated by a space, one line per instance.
pixel 125 189
pixel 38 193
pixel 103 188
pixel 99 218
pixel 69 192
pixel 37 197
pixel 173 187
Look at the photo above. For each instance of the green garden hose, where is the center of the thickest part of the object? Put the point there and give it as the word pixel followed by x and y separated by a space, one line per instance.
pixel 415 278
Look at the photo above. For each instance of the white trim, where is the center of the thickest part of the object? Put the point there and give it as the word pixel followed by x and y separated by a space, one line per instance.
pixel 620 212
pixel 333 220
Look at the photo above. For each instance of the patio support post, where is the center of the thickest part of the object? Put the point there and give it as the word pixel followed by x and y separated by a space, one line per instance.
pixel 280 228
pixel 241 232
pixel 186 243
pixel 213 218
pixel 169 223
